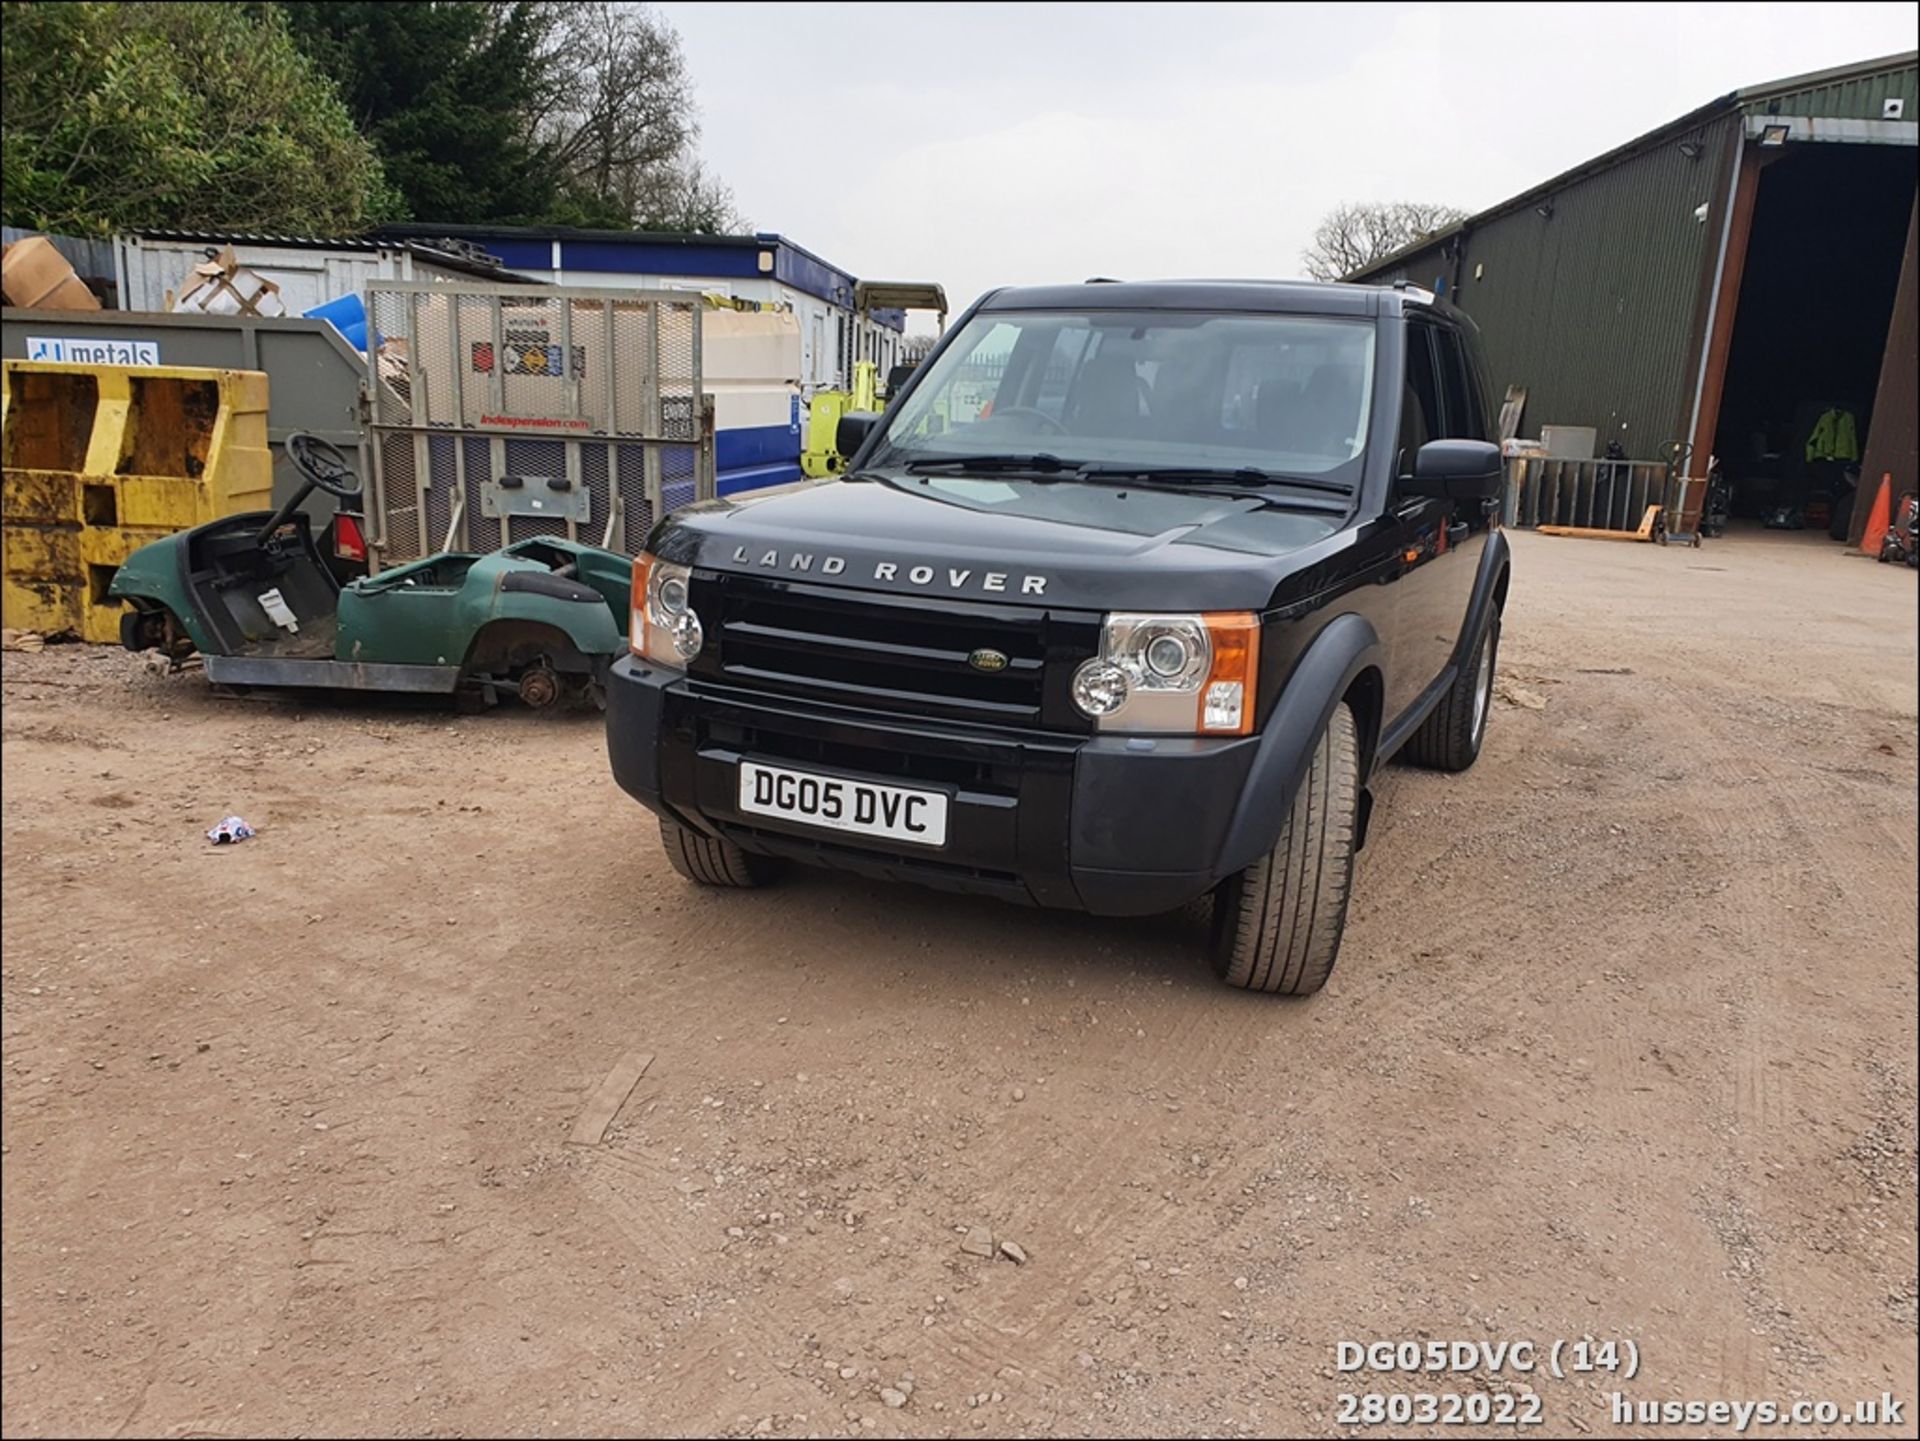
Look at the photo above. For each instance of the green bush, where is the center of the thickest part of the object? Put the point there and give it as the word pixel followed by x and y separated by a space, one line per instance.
pixel 122 116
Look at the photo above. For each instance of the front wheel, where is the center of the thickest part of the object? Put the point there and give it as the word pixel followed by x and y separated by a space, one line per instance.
pixel 712 861
pixel 1450 738
pixel 1277 924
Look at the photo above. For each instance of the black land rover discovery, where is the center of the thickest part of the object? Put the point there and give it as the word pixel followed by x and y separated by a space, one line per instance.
pixel 1121 604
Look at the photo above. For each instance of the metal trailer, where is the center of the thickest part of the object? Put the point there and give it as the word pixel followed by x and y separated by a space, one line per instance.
pixel 499 413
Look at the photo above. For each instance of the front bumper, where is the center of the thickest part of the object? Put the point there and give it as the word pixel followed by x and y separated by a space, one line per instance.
pixel 1114 825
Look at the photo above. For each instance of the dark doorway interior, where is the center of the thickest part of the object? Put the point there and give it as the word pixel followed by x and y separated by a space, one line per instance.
pixel 1822 265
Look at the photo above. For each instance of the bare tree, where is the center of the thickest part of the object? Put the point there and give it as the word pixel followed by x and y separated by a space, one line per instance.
pixel 1355 235
pixel 687 197
pixel 619 120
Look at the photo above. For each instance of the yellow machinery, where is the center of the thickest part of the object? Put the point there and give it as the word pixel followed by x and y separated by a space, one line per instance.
pixel 101 459
pixel 821 455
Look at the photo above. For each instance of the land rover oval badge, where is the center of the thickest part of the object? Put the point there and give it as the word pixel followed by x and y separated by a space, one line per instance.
pixel 984 659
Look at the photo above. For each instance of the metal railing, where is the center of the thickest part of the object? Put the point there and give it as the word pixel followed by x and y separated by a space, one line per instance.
pixel 1598 494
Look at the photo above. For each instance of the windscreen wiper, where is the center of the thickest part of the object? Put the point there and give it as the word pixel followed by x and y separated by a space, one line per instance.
pixel 1218 475
pixel 1041 462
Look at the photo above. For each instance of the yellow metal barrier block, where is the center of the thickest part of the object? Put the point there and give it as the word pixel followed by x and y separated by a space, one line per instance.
pixel 101 459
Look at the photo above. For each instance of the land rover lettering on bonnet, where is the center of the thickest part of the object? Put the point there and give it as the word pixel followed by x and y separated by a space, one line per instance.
pixel 997 582
pixel 1121 605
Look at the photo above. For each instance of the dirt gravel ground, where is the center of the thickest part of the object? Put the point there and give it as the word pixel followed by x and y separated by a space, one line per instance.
pixel 1621 1045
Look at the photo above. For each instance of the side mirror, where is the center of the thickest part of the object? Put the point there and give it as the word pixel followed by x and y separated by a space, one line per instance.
pixel 1455 470
pixel 852 432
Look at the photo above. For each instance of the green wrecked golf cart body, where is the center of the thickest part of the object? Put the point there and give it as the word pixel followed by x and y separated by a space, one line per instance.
pixel 542 618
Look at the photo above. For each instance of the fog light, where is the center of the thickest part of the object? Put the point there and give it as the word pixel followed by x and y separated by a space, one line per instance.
pixel 1099 688
pixel 687 635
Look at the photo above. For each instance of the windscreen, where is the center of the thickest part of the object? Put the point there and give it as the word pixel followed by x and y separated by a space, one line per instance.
pixel 1286 394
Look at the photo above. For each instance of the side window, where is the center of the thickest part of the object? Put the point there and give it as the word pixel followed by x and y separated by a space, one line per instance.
pixel 1420 407
pixel 1466 417
pixel 969 387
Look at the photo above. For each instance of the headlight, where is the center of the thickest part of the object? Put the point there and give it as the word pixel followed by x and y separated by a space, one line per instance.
pixel 1174 674
pixel 663 628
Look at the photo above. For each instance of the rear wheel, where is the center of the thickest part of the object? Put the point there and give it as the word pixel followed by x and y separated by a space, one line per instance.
pixel 1450 738
pixel 712 861
pixel 1277 924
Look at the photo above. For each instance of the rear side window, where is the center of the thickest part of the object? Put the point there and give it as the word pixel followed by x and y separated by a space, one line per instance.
pixel 1466 415
pixel 1420 419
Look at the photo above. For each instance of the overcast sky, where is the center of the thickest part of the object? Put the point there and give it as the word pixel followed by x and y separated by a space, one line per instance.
pixel 983 145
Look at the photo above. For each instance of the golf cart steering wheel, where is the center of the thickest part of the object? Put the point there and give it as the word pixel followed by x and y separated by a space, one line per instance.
pixel 321 462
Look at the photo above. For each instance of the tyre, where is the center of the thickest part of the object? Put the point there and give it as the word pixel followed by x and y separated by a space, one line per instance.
pixel 1277 924
pixel 1449 739
pixel 712 861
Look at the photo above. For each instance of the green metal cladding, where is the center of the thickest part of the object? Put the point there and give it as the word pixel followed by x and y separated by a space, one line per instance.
pixel 1591 289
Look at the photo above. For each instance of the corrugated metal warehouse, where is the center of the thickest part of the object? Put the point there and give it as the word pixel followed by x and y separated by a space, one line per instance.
pixel 1733 279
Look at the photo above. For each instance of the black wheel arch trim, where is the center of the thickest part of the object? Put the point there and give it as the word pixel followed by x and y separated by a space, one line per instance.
pixel 1489 593
pixel 1343 651
pixel 1345 648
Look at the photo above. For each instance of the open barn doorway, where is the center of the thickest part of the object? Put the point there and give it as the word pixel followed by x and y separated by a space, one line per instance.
pixel 1810 332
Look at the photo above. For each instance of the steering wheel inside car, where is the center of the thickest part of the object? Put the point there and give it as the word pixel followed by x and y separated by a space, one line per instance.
pixel 323 463
pixel 1053 426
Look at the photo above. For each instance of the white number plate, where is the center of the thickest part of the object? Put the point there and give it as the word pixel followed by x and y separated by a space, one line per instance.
pixel 893 812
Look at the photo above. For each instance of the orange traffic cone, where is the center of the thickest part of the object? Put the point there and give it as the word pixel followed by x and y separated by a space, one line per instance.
pixel 1879 518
